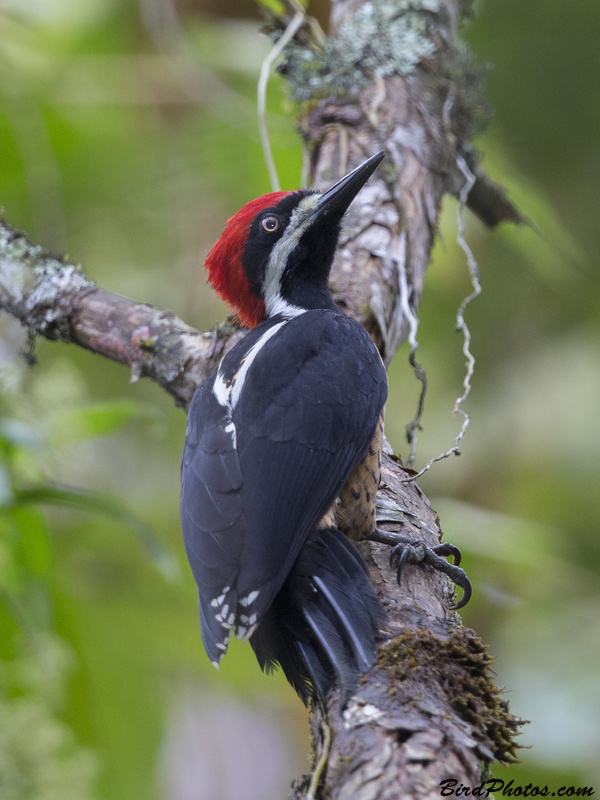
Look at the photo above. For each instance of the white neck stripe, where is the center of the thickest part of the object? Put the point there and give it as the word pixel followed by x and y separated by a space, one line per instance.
pixel 240 378
pixel 278 305
pixel 281 252
pixel 228 394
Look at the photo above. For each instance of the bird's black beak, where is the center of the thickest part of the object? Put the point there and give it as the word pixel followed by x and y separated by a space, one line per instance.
pixel 335 201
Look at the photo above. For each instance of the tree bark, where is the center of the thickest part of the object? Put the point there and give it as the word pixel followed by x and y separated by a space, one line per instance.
pixel 53 298
pixel 429 709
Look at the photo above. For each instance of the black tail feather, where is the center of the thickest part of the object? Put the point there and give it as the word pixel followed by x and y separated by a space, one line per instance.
pixel 323 623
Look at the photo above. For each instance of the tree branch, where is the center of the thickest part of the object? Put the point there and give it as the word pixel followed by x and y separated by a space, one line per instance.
pixel 52 297
pixel 429 709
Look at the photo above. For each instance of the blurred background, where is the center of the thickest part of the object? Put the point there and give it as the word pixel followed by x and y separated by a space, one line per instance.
pixel 128 135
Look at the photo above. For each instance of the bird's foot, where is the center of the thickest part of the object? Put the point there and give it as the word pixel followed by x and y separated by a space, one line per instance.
pixel 407 550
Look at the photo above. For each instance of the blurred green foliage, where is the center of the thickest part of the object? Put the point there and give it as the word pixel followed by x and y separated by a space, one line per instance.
pixel 39 756
pixel 127 137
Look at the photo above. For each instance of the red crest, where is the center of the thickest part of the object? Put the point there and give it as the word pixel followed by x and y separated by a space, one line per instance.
pixel 224 262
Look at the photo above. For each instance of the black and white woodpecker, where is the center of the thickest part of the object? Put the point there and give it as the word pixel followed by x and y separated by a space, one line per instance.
pixel 282 452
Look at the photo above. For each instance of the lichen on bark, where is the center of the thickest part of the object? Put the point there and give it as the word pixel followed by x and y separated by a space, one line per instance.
pixel 39 283
pixel 383 38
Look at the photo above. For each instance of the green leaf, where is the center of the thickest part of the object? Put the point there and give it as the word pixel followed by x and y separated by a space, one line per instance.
pixel 276 7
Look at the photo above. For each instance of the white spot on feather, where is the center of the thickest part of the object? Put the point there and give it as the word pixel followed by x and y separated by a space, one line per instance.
pixel 250 598
pixel 221 390
pixel 230 429
pixel 249 632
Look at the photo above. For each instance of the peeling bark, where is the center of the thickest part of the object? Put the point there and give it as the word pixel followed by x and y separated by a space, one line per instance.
pixel 429 709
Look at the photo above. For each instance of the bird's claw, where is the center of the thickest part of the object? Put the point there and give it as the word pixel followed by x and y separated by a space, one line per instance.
pixel 414 551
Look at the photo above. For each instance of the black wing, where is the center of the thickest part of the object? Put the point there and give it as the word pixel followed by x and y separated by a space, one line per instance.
pixel 272 437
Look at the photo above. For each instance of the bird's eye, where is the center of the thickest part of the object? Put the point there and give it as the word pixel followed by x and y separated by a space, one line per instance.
pixel 270 224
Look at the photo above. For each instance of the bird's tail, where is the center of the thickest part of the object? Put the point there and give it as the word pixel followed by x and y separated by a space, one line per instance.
pixel 323 623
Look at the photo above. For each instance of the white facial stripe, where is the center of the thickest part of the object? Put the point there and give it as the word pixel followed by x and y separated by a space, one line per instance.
pixel 281 252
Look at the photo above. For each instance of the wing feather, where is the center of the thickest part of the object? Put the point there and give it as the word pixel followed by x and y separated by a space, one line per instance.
pixel 259 473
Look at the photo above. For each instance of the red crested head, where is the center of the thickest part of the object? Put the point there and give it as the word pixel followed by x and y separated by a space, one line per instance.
pixel 224 262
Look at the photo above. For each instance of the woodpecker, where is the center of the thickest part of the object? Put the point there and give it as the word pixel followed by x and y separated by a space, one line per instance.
pixel 282 450
pixel 282 454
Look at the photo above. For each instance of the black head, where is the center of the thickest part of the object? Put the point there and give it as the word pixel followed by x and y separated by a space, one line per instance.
pixel 290 246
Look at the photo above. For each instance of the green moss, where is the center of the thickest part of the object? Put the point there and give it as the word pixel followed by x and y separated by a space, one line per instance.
pixel 456 669
pixel 392 37
pixel 385 37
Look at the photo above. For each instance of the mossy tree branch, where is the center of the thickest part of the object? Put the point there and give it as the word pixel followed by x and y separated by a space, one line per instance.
pixel 429 710
pixel 53 298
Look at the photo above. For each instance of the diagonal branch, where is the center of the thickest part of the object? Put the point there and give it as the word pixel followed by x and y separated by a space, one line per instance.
pixel 429 710
pixel 52 297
